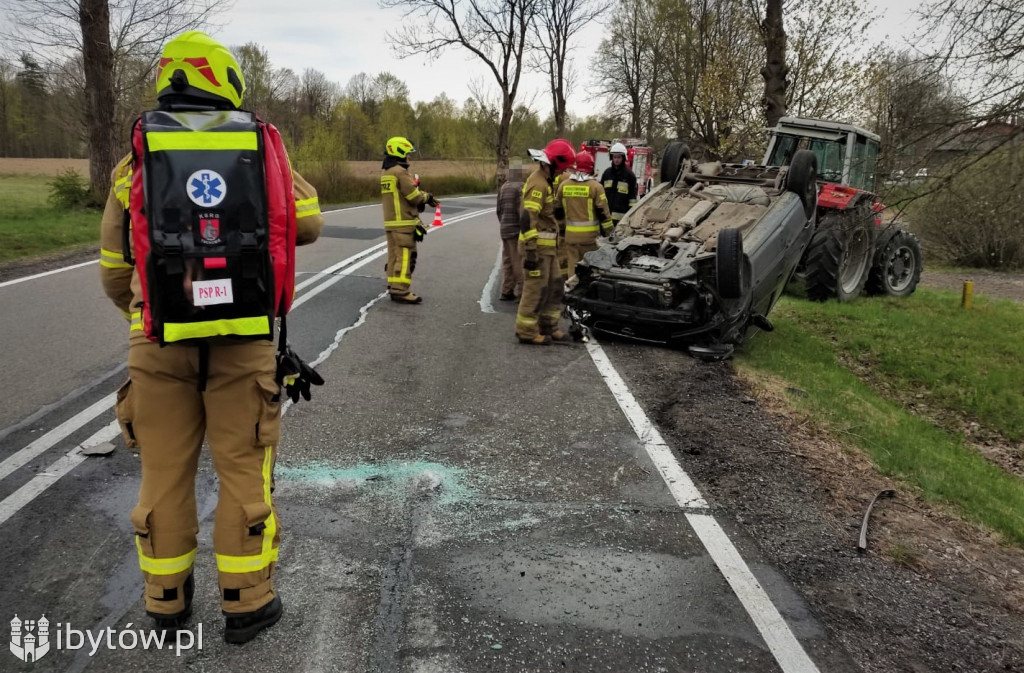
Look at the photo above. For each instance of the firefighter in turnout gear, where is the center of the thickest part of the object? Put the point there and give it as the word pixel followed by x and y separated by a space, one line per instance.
pixel 619 183
pixel 541 303
pixel 195 371
pixel 402 201
pixel 580 201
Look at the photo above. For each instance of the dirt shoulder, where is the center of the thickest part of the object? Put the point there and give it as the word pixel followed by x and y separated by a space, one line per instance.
pixel 995 284
pixel 931 593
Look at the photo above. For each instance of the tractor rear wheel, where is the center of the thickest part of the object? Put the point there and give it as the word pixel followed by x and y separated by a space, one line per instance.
pixel 896 268
pixel 837 261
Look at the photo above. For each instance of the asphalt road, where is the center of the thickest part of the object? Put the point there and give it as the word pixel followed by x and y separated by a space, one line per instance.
pixel 451 501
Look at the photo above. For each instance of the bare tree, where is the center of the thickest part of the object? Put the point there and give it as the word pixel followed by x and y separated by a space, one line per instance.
pixel 317 94
pixel 557 22
pixel 628 65
pixel 98 61
pixel 775 70
pixel 103 33
pixel 494 31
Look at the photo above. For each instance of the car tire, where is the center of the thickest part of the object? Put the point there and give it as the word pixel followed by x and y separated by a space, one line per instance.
pixel 729 263
pixel 896 267
pixel 802 180
pixel 838 259
pixel 672 160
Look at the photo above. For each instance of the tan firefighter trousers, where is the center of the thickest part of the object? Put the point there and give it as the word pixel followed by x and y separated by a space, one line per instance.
pixel 574 253
pixel 239 414
pixel 541 303
pixel 401 259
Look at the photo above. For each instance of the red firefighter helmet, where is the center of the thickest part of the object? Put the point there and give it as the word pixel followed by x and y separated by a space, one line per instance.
pixel 558 153
pixel 585 163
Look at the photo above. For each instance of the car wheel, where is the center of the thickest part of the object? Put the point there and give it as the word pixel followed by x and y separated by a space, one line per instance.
pixel 896 268
pixel 729 263
pixel 837 261
pixel 672 160
pixel 802 180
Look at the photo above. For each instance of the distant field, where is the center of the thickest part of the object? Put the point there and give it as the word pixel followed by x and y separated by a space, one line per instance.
pixel 362 169
pixel 9 166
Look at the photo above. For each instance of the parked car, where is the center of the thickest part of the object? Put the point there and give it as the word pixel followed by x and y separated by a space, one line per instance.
pixel 703 258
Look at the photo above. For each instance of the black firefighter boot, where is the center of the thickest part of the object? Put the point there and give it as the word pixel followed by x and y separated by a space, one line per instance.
pixel 177 620
pixel 241 627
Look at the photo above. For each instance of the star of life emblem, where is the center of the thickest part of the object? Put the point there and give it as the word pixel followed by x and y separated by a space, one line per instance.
pixel 206 188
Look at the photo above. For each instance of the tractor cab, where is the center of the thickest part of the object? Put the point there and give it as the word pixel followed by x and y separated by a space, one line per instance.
pixel 847 154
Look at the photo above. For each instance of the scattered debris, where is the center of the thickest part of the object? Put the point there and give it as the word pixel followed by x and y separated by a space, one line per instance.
pixel 862 545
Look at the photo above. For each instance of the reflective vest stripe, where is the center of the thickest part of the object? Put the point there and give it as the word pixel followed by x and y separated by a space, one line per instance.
pixel 164 566
pixel 531 234
pixel 136 320
pixel 307 207
pixel 160 141
pixel 113 260
pixel 547 241
pixel 234 326
pixel 391 224
pixel 582 227
pixel 268 553
pixel 530 205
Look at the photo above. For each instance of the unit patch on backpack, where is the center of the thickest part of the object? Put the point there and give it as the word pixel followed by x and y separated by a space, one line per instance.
pixel 212 224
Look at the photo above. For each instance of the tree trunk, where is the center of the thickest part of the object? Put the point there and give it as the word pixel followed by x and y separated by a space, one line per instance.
pixel 503 134
pixel 98 62
pixel 775 70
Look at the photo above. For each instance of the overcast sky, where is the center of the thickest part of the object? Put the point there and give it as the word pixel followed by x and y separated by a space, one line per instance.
pixel 344 37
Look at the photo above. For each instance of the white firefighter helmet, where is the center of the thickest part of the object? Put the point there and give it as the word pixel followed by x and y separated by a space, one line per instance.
pixel 617 148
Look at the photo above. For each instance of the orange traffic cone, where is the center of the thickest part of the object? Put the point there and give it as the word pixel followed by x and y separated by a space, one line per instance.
pixel 437 216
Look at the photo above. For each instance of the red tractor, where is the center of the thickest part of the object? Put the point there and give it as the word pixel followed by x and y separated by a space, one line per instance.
pixel 852 249
pixel 638 158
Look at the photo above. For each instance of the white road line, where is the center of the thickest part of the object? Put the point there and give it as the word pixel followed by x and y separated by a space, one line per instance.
pixel 485 297
pixel 784 646
pixel 47 441
pixel 334 267
pixel 335 277
pixel 48 273
pixel 53 472
pixel 72 459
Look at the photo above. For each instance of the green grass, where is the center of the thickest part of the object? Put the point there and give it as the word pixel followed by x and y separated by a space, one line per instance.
pixel 965 362
pixel 30 226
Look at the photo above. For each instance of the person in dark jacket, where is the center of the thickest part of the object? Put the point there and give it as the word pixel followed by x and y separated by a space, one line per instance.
pixel 510 199
pixel 619 183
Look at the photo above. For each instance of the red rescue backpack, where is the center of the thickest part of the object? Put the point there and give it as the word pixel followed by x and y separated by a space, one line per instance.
pixel 212 222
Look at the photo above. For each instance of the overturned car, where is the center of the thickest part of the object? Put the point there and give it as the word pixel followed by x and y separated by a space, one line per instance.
pixel 703 257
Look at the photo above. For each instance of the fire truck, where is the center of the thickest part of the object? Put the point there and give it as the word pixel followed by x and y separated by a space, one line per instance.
pixel 638 158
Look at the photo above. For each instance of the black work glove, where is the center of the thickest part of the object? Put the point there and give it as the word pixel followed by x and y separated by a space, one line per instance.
pixel 421 207
pixel 295 376
pixel 431 201
pixel 419 233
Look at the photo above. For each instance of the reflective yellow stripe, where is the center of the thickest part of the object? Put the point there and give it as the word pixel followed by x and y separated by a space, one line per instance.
pixel 524 321
pixel 235 326
pixel 307 207
pixel 127 316
pixel 390 224
pixel 268 553
pixel 113 260
pixel 413 194
pixel 547 241
pixel 136 319
pixel 581 228
pixel 530 205
pixel 160 141
pixel 115 265
pixel 532 233
pixel 164 566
